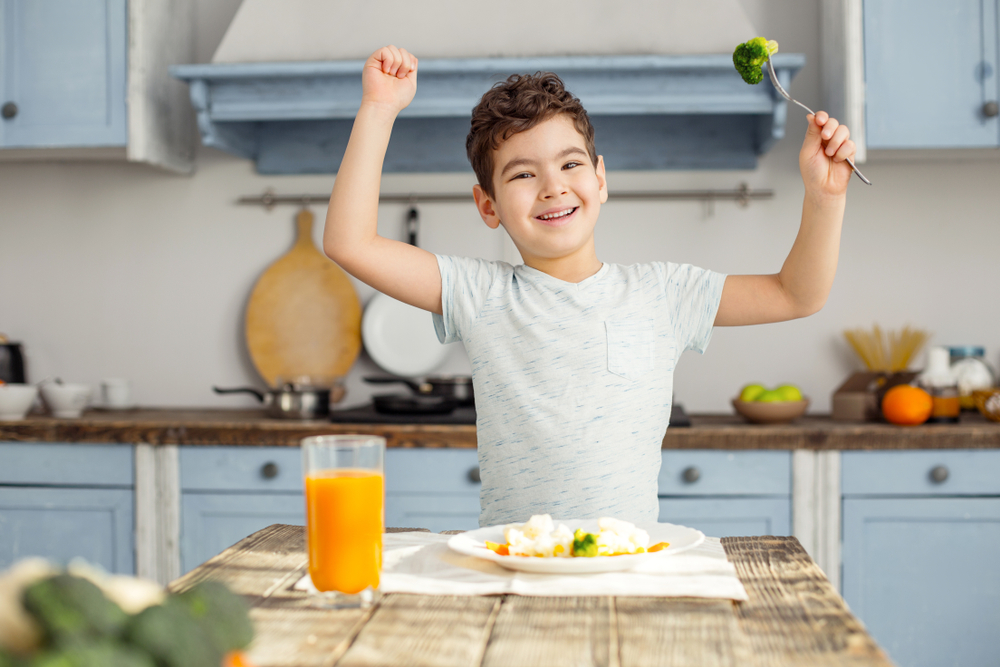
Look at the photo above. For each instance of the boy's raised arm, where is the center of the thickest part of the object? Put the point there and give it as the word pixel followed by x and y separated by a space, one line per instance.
pixel 804 282
pixel 350 238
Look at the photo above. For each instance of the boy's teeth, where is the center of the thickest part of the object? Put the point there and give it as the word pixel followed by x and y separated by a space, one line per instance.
pixel 557 215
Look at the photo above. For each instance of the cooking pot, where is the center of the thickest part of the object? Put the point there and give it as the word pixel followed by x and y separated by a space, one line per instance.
pixel 292 401
pixel 458 388
pixel 11 362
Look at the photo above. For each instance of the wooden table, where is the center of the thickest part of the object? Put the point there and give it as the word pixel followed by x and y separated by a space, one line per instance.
pixel 793 617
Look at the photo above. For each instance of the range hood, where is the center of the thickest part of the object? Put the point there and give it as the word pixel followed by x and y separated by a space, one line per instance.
pixel 286 97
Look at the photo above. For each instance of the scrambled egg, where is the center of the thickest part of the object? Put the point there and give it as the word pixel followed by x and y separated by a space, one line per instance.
pixel 540 537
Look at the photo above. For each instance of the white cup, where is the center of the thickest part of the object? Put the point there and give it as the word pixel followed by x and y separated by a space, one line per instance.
pixel 116 393
pixel 66 401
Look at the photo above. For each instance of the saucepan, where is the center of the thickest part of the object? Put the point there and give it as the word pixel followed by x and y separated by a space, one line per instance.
pixel 457 388
pixel 293 401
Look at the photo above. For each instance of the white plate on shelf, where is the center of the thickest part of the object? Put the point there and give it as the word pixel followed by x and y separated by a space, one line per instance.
pixel 681 538
pixel 400 338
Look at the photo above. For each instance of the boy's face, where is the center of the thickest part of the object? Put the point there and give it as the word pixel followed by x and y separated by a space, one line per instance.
pixel 547 193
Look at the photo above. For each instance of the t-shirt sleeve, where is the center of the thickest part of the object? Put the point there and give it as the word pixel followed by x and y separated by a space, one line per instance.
pixel 465 285
pixel 693 296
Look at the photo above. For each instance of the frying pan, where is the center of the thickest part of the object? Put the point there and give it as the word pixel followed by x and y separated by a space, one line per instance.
pixel 399 337
pixel 456 387
pixel 401 404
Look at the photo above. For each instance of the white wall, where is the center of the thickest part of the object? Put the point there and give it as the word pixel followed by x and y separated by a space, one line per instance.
pixel 120 270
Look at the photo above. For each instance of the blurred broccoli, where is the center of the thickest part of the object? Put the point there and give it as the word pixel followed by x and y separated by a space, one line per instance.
pixel 750 56
pixel 584 544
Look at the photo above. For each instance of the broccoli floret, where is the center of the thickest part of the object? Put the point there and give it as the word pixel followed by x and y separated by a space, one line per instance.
pixel 584 544
pixel 750 56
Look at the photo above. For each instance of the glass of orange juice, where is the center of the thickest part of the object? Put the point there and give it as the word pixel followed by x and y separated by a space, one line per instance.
pixel 344 517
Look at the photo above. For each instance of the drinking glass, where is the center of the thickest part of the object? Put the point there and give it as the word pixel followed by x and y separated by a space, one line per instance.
pixel 344 517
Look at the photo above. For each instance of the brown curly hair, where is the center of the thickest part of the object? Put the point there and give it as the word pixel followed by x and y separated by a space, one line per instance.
pixel 515 105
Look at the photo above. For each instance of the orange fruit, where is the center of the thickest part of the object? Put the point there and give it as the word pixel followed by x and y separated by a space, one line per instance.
pixel 907 405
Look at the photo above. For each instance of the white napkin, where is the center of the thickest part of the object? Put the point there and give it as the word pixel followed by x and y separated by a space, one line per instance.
pixel 422 563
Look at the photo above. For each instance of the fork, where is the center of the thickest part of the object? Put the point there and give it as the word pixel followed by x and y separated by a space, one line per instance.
pixel 777 86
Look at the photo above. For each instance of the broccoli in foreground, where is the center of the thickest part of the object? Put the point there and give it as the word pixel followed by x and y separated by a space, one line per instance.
pixel 584 544
pixel 750 56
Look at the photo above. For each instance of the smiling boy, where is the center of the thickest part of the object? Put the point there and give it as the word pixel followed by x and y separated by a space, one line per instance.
pixel 572 358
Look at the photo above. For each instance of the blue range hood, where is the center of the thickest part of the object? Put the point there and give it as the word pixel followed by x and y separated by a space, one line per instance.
pixel 649 112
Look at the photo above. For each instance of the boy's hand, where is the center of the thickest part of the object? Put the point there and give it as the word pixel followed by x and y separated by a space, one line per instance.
pixel 823 158
pixel 389 79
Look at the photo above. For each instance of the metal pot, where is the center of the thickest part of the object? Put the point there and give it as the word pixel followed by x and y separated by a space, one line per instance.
pixel 458 388
pixel 291 401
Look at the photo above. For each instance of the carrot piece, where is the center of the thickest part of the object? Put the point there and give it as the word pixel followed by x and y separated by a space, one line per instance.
pixel 500 549
pixel 236 659
pixel 659 546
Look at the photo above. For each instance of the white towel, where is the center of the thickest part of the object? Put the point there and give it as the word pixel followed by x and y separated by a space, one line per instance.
pixel 423 563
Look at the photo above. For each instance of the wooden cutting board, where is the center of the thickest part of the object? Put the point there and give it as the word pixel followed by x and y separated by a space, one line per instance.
pixel 303 317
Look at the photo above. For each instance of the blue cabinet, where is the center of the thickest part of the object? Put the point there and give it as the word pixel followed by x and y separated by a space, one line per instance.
pixel 940 101
pixel 723 493
pixel 64 501
pixel 920 555
pixel 63 80
pixel 435 489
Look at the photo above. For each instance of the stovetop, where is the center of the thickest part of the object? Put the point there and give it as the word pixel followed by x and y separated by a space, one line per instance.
pixel 367 414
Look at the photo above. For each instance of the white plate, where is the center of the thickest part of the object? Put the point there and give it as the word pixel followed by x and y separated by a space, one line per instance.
pixel 681 538
pixel 400 338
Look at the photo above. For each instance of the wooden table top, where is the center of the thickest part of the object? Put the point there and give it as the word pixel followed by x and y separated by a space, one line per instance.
pixel 793 617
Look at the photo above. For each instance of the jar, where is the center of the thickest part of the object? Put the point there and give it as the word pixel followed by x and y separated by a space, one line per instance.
pixel 968 365
pixel 938 381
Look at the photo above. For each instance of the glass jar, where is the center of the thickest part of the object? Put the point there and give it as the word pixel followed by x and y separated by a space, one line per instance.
pixel 938 381
pixel 968 365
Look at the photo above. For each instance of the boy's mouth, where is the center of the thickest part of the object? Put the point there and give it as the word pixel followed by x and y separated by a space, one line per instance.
pixel 557 218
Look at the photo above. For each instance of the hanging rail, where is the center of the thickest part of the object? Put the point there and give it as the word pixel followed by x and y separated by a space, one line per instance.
pixel 741 195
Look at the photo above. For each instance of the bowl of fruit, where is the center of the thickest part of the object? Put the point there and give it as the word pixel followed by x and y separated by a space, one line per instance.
pixel 761 405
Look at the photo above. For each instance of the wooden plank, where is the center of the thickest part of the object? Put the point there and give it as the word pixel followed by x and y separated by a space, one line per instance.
pixel 415 630
pixel 793 615
pixel 570 631
pixel 681 632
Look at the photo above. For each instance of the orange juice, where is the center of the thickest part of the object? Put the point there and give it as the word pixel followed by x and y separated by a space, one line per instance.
pixel 344 526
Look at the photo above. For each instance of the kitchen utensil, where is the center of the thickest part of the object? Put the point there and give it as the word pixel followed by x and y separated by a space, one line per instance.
pixel 11 362
pixel 303 317
pixel 66 401
pixel 971 372
pixel 473 543
pixel 401 404
pixel 778 412
pixel 988 402
pixel 457 387
pixel 116 393
pixel 293 401
pixel 399 337
pixel 783 93
pixel 16 400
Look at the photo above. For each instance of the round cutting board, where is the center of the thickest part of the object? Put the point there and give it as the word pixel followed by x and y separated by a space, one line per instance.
pixel 303 317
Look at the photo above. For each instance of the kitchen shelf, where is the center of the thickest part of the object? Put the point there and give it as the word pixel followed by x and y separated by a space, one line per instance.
pixel 649 112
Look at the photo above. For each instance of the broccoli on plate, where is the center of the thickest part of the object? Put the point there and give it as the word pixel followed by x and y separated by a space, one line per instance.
pixel 584 544
pixel 750 56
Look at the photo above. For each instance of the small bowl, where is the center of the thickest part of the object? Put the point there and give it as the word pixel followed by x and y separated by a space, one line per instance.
pixel 778 412
pixel 66 401
pixel 16 400
pixel 988 402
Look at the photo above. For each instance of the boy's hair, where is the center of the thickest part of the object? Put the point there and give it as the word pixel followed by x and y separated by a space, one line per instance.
pixel 515 105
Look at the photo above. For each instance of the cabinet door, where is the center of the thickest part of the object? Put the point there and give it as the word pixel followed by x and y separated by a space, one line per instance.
pixel 729 517
pixel 63 523
pixel 213 522
pixel 436 512
pixel 64 67
pixel 930 66
pixel 921 573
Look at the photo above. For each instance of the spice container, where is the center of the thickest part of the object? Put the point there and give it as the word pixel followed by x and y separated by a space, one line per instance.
pixel 971 372
pixel 938 380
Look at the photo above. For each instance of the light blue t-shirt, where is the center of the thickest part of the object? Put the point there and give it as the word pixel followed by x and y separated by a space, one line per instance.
pixel 573 381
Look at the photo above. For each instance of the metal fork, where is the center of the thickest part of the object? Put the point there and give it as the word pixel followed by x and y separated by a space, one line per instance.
pixel 777 86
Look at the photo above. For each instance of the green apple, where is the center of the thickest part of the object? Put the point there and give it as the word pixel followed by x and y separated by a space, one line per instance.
pixel 770 396
pixel 789 392
pixel 751 392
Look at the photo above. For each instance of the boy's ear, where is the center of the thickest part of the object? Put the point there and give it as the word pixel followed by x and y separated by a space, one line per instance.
pixel 485 206
pixel 602 179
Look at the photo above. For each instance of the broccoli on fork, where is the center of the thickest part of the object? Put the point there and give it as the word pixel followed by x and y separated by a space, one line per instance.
pixel 750 56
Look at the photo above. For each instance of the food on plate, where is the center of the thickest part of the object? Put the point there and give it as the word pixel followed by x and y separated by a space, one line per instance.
pixel 750 56
pixel 540 537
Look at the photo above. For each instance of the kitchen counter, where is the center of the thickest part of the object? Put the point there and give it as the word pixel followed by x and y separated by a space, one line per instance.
pixel 253 427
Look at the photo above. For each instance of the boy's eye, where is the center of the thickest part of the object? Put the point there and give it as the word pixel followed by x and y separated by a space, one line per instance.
pixel 570 165
pixel 523 174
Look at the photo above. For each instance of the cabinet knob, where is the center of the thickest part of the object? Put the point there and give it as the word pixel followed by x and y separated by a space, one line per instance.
pixel 474 475
pixel 9 110
pixel 990 109
pixel 939 474
pixel 691 475
pixel 269 470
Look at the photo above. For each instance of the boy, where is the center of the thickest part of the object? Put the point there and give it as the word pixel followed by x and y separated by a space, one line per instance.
pixel 572 358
